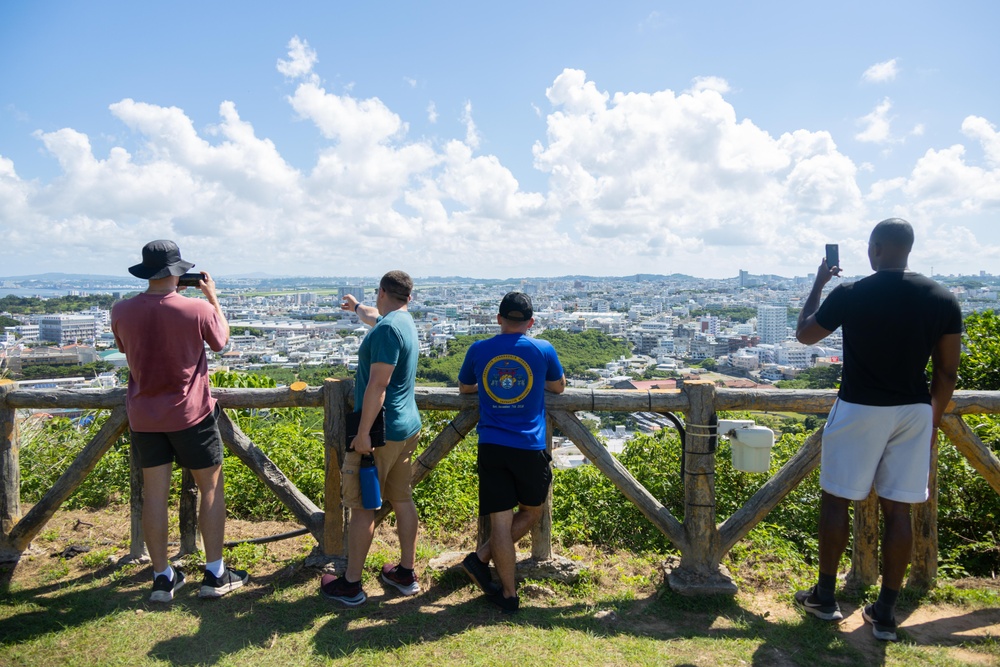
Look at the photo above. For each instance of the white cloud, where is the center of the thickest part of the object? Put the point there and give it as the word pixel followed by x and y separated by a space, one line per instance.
pixel 980 129
pixel 432 114
pixel 472 137
pixel 655 181
pixel 344 118
pixel 412 83
pixel 715 83
pixel 301 60
pixel 652 21
pixel 876 126
pixel 882 72
pixel 678 174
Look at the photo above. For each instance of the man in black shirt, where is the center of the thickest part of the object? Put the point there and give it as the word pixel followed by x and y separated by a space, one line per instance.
pixel 881 428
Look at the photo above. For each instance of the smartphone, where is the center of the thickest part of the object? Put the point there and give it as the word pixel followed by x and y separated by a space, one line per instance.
pixel 190 280
pixel 832 255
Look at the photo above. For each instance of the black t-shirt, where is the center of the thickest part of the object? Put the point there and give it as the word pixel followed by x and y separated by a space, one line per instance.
pixel 892 320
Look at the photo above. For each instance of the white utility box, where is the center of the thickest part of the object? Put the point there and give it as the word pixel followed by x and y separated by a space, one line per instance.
pixel 751 444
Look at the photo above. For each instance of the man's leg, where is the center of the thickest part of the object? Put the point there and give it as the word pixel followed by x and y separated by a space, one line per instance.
pixel 518 524
pixel 359 541
pixel 503 550
pixel 406 529
pixel 834 532
pixel 525 517
pixel 212 510
pixel 155 491
pixel 897 545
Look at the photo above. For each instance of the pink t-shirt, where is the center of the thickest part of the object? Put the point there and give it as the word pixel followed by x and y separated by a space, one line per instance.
pixel 163 337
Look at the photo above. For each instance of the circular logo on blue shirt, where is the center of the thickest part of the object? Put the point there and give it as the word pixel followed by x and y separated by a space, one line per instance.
pixel 507 379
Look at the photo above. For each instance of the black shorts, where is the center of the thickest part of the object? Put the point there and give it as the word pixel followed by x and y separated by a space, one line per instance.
pixel 194 448
pixel 509 476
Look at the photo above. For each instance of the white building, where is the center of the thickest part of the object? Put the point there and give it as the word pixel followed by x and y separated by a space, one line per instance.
pixel 63 329
pixel 772 324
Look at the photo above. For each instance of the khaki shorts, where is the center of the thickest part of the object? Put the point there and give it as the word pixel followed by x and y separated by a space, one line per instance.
pixel 887 445
pixel 393 461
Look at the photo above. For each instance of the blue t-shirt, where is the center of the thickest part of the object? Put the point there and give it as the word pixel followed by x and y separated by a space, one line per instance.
pixel 393 340
pixel 511 371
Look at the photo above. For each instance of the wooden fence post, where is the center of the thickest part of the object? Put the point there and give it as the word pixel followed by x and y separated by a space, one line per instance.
pixel 10 473
pixel 701 571
pixel 335 447
pixel 924 559
pixel 137 541
pixel 864 556
pixel 188 513
pixel 541 532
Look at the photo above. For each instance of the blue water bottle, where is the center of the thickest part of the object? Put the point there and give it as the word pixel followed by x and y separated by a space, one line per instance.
pixel 371 494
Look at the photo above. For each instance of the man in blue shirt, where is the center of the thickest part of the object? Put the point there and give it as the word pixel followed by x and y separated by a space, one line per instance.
pixel 511 372
pixel 387 372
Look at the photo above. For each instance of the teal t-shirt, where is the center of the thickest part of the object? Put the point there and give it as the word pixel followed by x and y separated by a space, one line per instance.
pixel 393 340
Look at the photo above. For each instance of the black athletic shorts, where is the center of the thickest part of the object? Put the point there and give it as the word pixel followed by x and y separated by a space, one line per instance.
pixel 509 476
pixel 194 448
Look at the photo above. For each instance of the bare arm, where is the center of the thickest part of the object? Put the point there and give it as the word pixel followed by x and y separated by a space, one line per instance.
pixel 808 331
pixel 556 386
pixel 944 373
pixel 366 314
pixel 467 388
pixel 207 287
pixel 378 380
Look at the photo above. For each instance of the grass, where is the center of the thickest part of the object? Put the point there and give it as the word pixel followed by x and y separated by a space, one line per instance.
pixel 620 612
pixel 104 618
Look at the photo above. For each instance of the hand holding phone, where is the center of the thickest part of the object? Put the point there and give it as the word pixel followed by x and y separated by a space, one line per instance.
pixel 190 280
pixel 832 256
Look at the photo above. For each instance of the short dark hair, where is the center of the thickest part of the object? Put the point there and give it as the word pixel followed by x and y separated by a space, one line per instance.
pixel 397 284
pixel 894 232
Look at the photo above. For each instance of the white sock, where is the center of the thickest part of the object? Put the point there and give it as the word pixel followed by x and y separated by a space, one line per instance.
pixel 169 572
pixel 216 567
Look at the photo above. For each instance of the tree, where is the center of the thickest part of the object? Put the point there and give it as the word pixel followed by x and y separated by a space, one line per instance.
pixel 979 367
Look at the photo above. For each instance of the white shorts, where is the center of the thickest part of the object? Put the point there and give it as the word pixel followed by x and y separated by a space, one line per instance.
pixel 887 445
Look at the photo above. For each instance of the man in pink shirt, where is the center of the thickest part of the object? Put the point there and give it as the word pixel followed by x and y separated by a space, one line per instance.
pixel 171 412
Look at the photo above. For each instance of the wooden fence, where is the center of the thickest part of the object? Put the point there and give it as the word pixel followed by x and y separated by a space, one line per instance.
pixel 701 539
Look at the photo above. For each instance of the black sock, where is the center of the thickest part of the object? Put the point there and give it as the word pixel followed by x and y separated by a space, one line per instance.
pixel 886 604
pixel 826 586
pixel 404 570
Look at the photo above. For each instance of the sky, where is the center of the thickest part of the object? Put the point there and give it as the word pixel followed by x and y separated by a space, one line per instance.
pixel 497 140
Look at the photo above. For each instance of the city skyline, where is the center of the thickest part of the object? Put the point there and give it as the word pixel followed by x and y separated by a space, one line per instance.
pixel 454 140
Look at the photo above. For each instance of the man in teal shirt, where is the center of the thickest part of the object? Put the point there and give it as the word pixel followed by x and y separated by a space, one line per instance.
pixel 387 372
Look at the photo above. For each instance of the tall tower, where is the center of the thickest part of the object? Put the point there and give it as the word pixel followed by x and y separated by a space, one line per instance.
pixel 772 324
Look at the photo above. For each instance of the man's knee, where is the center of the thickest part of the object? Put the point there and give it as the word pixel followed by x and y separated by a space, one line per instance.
pixel 208 480
pixel 893 509
pixel 533 512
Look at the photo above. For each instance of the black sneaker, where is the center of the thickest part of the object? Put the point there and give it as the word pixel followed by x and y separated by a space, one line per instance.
pixel 479 572
pixel 340 590
pixel 884 630
pixel 811 603
pixel 507 605
pixel 406 584
pixel 215 587
pixel 164 589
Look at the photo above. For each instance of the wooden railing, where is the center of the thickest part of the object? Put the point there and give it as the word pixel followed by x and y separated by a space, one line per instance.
pixel 702 541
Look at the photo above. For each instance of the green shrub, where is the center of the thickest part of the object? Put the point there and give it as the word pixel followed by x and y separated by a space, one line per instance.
pixel 447 499
pixel 49 447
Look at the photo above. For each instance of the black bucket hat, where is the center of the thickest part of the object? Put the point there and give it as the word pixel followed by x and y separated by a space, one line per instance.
pixel 160 259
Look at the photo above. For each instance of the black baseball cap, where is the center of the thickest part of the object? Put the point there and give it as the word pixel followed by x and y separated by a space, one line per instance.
pixel 516 306
pixel 160 259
